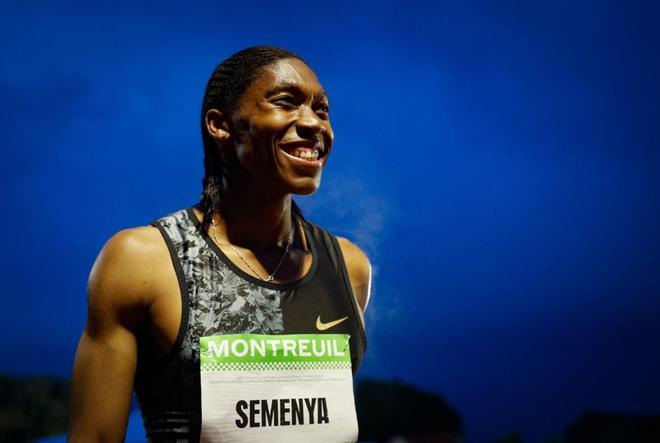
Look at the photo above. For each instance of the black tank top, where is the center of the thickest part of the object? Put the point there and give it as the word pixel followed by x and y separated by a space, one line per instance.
pixel 219 298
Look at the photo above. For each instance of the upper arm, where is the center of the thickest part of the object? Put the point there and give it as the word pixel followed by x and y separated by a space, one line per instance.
pixel 104 368
pixel 359 271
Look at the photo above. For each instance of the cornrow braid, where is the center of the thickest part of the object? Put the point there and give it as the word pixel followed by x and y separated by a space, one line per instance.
pixel 228 82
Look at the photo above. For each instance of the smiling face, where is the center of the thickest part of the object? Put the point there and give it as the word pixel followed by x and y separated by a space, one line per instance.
pixel 281 129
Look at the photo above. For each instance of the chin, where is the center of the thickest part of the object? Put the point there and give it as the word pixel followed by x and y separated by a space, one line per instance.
pixel 305 186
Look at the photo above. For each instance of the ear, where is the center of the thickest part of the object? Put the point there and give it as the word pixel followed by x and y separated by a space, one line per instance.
pixel 217 126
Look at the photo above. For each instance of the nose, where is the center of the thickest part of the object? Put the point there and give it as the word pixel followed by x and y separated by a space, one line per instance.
pixel 309 123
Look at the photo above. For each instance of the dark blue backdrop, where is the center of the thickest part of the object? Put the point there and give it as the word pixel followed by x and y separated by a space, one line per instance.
pixel 498 161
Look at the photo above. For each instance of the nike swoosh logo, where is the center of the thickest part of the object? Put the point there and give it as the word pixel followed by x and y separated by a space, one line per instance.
pixel 323 326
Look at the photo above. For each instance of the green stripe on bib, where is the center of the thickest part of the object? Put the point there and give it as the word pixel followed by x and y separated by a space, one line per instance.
pixel 260 352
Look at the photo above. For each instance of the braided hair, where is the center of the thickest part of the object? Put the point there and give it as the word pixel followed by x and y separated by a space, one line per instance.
pixel 228 82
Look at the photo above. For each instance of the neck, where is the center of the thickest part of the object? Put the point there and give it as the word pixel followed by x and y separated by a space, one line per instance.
pixel 255 221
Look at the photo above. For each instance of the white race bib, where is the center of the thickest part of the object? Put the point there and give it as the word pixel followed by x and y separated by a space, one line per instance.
pixel 293 388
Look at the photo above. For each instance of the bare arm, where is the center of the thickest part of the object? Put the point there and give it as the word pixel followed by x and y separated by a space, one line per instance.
pixel 104 368
pixel 359 272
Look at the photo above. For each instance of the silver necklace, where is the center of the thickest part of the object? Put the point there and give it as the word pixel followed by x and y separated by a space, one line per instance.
pixel 272 274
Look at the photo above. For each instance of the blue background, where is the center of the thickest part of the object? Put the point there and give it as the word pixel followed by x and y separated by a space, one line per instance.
pixel 498 162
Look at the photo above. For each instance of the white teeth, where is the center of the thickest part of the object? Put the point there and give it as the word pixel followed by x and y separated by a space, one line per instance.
pixel 307 154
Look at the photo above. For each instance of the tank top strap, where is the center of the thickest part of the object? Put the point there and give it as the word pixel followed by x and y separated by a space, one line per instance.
pixel 184 244
pixel 330 251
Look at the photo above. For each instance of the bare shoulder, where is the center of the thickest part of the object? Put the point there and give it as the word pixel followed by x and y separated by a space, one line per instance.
pixel 359 270
pixel 120 288
pixel 357 262
pixel 124 276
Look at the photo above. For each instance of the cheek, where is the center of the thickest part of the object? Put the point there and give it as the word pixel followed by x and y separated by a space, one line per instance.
pixel 250 139
pixel 329 138
pixel 255 150
pixel 264 129
pixel 258 135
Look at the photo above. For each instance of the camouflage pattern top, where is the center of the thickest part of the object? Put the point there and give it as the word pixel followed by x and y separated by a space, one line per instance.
pixel 219 298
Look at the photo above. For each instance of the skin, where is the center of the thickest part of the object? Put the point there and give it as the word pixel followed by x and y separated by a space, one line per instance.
pixel 133 286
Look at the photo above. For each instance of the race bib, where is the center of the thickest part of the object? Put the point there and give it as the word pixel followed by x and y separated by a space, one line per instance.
pixel 293 388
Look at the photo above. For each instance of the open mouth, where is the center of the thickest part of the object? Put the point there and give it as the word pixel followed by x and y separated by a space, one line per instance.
pixel 304 150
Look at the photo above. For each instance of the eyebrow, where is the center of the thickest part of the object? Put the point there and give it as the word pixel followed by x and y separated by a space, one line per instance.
pixel 289 87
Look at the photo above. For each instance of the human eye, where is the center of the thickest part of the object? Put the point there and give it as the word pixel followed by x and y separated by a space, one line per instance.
pixel 323 109
pixel 284 100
